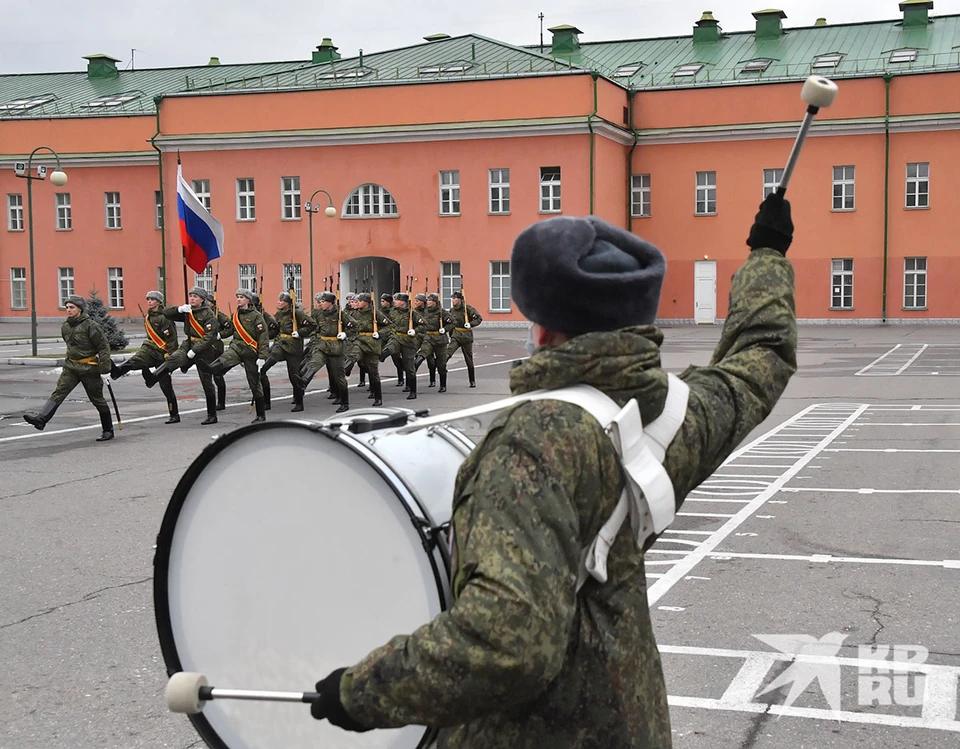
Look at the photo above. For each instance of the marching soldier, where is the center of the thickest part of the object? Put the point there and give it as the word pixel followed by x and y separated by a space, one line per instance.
pixel 250 343
pixel 161 341
pixel 88 357
pixel 288 347
pixel 326 349
pixel 419 310
pixel 367 322
pixel 403 345
pixel 433 326
pixel 387 307
pixel 465 319
pixel 226 331
pixel 201 343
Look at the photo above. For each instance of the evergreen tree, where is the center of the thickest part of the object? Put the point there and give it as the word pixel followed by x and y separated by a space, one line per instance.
pixel 97 311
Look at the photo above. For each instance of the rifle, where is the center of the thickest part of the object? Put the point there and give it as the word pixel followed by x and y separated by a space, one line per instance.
pixel 339 308
pixel 216 285
pixel 293 300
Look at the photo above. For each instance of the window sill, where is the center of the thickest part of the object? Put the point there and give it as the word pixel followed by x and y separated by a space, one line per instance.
pixel 499 311
pixel 916 208
pixel 15 230
pixel 448 215
pixel 18 309
pixel 362 218
pixel 640 215
pixel 70 229
pixel 115 309
pixel 246 220
pixel 842 309
pixel 550 213
pixel 700 215
pixel 843 210
pixel 113 228
pixel 294 220
pixel 914 309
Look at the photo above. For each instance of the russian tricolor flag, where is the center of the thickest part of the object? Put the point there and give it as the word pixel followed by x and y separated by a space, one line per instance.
pixel 200 233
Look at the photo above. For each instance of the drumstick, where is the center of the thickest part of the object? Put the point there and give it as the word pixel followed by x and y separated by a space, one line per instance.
pixel 187 692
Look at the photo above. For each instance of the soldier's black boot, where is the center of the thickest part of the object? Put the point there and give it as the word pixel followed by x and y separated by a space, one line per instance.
pixel 305 379
pixel 297 399
pixel 151 378
pixel 40 418
pixel 348 369
pixel 433 375
pixel 221 393
pixel 378 393
pixel 261 411
pixel 417 361
pixel 106 425
pixel 344 401
pixel 172 408
pixel 443 381
pixel 211 409
pixel 472 375
pixel 117 372
pixel 265 385
pixel 412 386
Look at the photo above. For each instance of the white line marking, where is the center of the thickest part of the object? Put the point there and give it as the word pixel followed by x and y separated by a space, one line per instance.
pixel 940 697
pixel 798 489
pixel 827 558
pixel 884 450
pixel 704 515
pixel 912 360
pixel 748 680
pixel 875 362
pixel 658 589
pixel 689 533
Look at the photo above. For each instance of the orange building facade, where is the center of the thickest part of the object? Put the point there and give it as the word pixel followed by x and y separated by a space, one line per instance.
pixel 432 179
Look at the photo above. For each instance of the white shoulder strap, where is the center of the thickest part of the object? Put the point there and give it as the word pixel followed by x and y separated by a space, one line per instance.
pixel 648 496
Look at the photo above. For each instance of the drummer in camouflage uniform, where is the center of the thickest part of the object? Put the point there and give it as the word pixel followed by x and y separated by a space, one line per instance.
pixel 161 341
pixel 250 343
pixel 201 343
pixel 522 659
pixel 288 347
pixel 326 349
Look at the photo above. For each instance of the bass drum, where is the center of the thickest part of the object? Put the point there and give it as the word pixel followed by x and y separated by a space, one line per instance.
pixel 292 548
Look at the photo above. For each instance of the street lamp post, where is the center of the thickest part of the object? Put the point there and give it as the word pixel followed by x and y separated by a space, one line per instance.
pixel 312 207
pixel 58 178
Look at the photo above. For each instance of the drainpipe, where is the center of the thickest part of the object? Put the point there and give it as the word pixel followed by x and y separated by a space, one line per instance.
pixel 163 229
pixel 887 78
pixel 631 93
pixel 595 75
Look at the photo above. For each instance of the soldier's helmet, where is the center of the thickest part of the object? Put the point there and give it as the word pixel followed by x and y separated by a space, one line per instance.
pixel 327 296
pixel 285 297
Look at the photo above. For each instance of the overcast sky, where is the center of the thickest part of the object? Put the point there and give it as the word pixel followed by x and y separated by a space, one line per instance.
pixel 53 35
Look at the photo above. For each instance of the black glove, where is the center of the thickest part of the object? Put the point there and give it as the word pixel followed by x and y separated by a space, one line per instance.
pixel 328 705
pixel 773 226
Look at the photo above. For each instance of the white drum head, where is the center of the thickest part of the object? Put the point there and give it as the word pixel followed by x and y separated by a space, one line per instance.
pixel 285 554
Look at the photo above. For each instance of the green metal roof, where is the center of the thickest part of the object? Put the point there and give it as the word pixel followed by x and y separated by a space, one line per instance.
pixel 865 48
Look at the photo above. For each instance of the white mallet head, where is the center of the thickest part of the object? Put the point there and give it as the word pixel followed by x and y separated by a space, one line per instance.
pixel 819 91
pixel 183 692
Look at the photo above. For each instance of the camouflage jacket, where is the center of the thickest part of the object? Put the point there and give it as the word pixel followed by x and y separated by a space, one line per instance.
pixel 206 342
pixel 255 329
pixel 521 660
pixel 361 321
pixel 284 330
pixel 85 341
pixel 327 324
pixel 163 329
pixel 461 315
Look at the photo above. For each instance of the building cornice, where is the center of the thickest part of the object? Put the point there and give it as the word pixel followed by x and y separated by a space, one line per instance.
pixel 87 159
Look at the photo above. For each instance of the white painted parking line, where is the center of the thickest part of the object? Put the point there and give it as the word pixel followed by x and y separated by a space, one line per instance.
pixel 887 450
pixel 947 564
pixel 868 490
pixel 876 361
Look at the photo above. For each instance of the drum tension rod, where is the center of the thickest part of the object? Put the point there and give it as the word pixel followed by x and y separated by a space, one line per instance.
pixel 430 534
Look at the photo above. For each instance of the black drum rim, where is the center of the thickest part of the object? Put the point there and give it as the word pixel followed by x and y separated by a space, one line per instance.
pixel 161 558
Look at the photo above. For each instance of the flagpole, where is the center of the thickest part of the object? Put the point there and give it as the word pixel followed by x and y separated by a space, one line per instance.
pixel 183 250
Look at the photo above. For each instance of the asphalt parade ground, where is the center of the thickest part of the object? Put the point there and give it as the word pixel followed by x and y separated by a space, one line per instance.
pixel 806 596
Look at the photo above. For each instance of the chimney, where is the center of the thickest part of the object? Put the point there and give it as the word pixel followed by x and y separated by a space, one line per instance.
pixel 101 66
pixel 916 13
pixel 214 61
pixel 821 22
pixel 326 52
pixel 436 37
pixel 707 28
pixel 566 42
pixel 769 24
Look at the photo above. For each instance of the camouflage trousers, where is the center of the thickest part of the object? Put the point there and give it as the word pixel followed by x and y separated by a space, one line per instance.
pixel 434 350
pixel 92 384
pixel 248 358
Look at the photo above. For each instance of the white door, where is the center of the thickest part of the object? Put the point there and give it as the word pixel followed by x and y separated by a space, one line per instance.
pixel 705 291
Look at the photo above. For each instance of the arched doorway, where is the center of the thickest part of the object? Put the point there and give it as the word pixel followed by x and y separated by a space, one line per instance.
pixel 374 274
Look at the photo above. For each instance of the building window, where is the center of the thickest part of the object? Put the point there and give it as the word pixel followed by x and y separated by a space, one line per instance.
pixel 449 282
pixel 628 71
pixel 843 188
pixel 370 201
pixel 756 66
pixel 64 212
pixel 450 192
pixel 903 55
pixel 293 269
pixel 549 189
pixel 158 209
pixel 918 185
pixel 18 288
pixel 842 284
pixel 15 212
pixel 827 61
pixel 204 280
pixel 687 71
pixel 771 181
pixel 500 286
pixel 66 285
pixel 111 201
pixel 706 193
pixel 202 188
pixel 248 276
pixel 640 195
pixel 115 288
pixel 246 202
pixel 500 191
pixel 290 198
pixel 914 283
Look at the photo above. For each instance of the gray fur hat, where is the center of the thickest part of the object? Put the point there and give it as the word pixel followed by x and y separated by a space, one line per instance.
pixel 76 301
pixel 199 291
pixel 155 295
pixel 578 275
pixel 247 293
pixel 433 298
pixel 364 297
pixel 326 296
pixel 402 296
pixel 285 297
pixel 421 297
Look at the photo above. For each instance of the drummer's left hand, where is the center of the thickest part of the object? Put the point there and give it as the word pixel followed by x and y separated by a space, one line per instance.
pixel 328 706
